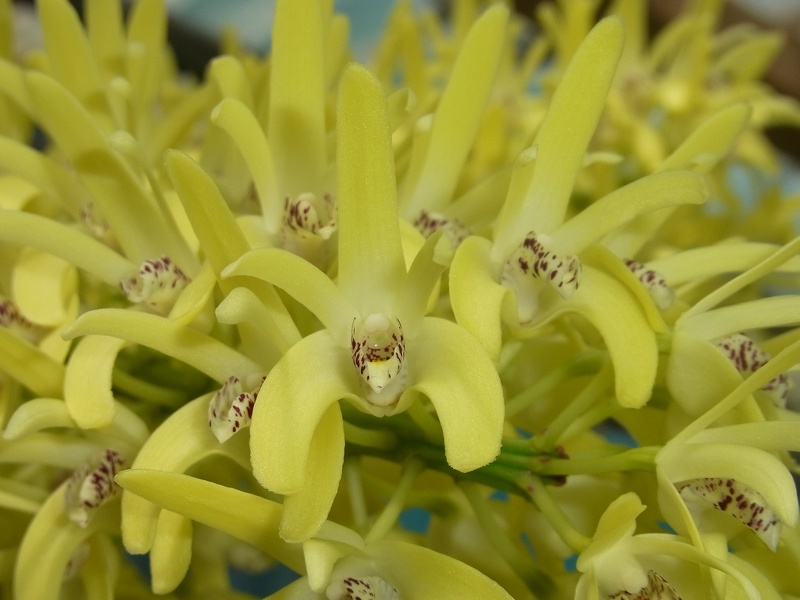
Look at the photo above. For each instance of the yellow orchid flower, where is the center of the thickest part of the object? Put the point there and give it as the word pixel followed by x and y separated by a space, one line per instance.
pixel 378 349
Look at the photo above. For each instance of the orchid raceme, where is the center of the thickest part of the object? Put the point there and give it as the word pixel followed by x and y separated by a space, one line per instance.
pixel 511 313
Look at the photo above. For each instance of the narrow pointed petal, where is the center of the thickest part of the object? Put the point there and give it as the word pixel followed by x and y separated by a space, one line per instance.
pixel 75 247
pixel 228 73
pixel 777 311
pixel 478 299
pixel 171 553
pixel 772 436
pixel 297 97
pixel 30 366
pixel 314 374
pixel 181 441
pixel 239 122
pixel 206 354
pixel 220 236
pixel 105 34
pixel 70 55
pixel 137 223
pixel 416 572
pixel 147 36
pixel 458 114
pixel 621 206
pixel 35 415
pixel 565 133
pixel 710 142
pixel 449 365
pixel 303 281
pixel 87 380
pixel 619 318
pixel 371 262
pixel 305 511
pixel 255 520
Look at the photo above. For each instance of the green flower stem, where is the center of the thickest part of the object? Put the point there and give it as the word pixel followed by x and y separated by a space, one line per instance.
pixel 381 439
pixel 586 363
pixel 635 459
pixel 355 489
pixel 593 416
pixel 528 571
pixel 576 409
pixel 154 394
pixel 391 511
pixel 551 510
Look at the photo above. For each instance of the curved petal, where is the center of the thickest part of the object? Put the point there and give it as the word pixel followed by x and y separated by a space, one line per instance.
pixel 371 264
pixel 419 572
pixel 302 281
pixel 255 520
pixel 182 440
pixel 458 114
pixel 49 542
pixel 206 354
pixel 238 121
pixel 619 318
pixel 305 511
pixel 314 374
pixel 447 364
pixel 621 206
pixel 564 134
pixel 171 553
pixel 87 380
pixel 776 311
pixel 753 467
pixel 477 298
pixel 26 363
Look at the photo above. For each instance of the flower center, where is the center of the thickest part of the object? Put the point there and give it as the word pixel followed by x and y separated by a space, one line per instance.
pixel 309 222
pixel 657 588
pixel 533 263
pixel 157 284
pixel 231 408
pixel 378 347
pixel 747 357
pixel 361 588
pixel 427 223
pixel 654 283
pixel 736 499
pixel 92 485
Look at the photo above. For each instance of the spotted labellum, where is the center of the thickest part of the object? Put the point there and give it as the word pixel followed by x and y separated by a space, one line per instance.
pixel 91 486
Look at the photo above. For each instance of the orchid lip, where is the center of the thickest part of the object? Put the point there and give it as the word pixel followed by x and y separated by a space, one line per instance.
pixel 157 284
pixel 377 346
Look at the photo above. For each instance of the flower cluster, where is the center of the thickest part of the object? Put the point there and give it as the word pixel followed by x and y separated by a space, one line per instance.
pixel 488 318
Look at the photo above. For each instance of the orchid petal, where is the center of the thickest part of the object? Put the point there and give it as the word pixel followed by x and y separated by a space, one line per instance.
pixel 478 299
pixel 301 280
pixel 314 374
pixel 423 276
pixel 297 97
pixel 371 262
pixel 194 297
pixel 105 34
pixel 220 236
pixel 70 56
pixel 305 511
pixel 449 365
pixel 229 75
pixel 699 263
pixel 710 141
pixel 42 285
pixel 87 381
pixel 417 572
pixel 206 354
pixel 255 521
pixel 181 441
pixel 29 365
pixel 564 134
pixel 147 36
pixel 753 467
pixel 142 231
pixel 171 553
pixel 621 206
pixel 772 436
pixel 75 247
pixel 630 341
pixel 49 542
pixel 762 313
pixel 235 119
pixel 458 114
